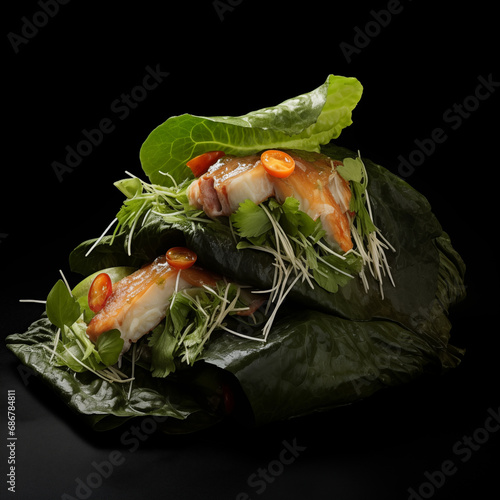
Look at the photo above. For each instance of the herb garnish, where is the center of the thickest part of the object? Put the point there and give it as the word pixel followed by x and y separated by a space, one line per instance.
pixel 370 242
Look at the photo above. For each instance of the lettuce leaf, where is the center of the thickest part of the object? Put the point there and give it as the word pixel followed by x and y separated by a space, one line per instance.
pixel 305 122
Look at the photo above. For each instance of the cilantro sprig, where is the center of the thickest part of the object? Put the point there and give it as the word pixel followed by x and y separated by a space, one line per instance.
pixel 295 241
pixel 370 242
pixel 193 315
pixel 353 170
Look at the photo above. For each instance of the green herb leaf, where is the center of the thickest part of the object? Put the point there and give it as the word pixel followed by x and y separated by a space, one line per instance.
pixel 68 354
pixel 294 220
pixel 62 308
pixel 295 234
pixel 109 346
pixel 191 318
pixel 333 272
pixel 250 220
pixel 351 170
pixel 78 332
pixel 163 345
pixel 129 187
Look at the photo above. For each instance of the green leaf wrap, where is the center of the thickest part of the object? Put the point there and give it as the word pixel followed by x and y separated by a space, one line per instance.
pixel 333 349
pixel 106 405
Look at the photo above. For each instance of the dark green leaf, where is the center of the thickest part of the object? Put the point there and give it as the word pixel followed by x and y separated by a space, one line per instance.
pixel 175 406
pixel 317 361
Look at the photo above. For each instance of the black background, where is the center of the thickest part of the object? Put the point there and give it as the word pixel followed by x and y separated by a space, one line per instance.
pixel 64 78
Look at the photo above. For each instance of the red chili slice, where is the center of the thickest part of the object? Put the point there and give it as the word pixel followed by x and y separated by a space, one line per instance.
pixel 99 292
pixel 200 164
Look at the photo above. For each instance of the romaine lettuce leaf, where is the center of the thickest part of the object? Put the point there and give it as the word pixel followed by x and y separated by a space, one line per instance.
pixel 305 122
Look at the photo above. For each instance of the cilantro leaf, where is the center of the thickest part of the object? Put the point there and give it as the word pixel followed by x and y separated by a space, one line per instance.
pixel 295 239
pixel 250 220
pixel 333 271
pixel 351 170
pixel 294 221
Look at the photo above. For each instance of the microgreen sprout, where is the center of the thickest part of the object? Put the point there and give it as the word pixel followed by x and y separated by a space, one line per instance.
pixel 142 199
pixel 370 243
pixel 192 317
